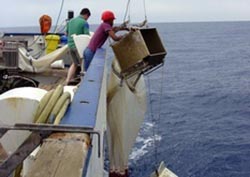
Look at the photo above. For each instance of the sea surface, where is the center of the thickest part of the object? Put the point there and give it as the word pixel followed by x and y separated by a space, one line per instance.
pixel 198 119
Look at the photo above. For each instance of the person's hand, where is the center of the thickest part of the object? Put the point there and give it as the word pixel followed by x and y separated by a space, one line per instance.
pixel 119 28
pixel 124 24
pixel 120 37
pixel 116 28
pixel 133 28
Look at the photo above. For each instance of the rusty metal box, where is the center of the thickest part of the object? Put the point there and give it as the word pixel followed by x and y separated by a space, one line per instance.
pixel 137 47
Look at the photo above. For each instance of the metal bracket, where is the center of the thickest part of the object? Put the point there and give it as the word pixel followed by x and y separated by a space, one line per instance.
pixel 39 132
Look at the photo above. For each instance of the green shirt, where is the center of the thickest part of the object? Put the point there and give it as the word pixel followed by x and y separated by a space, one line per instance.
pixel 76 26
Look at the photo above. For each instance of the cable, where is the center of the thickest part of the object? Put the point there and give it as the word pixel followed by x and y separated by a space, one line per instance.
pixel 61 27
pixel 34 41
pixel 126 12
pixel 145 12
pixel 153 121
pixel 60 11
pixel 21 77
pixel 156 120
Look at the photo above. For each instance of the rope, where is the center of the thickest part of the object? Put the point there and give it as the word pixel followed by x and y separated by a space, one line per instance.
pixel 153 120
pixel 126 12
pixel 156 121
pixel 61 27
pixel 22 77
pixel 52 106
pixel 145 12
pixel 33 42
pixel 161 91
pixel 58 17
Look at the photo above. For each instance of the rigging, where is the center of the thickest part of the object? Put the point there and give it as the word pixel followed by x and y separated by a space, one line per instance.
pixel 154 118
pixel 127 16
pixel 39 53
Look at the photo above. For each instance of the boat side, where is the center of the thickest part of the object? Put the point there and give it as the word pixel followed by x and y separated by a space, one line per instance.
pixel 79 154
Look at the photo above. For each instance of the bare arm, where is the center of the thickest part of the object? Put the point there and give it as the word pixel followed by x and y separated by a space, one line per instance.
pixel 114 36
pixel 119 28
pixel 116 29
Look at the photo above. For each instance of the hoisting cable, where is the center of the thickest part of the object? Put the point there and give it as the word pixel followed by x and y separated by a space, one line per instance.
pixel 127 13
pixel 127 17
pixel 144 23
pixel 125 22
pixel 155 120
pixel 145 12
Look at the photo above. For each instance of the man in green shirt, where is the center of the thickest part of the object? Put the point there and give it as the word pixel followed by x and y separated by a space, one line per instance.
pixel 77 25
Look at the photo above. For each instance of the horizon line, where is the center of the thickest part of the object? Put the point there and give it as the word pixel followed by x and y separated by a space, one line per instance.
pixel 209 21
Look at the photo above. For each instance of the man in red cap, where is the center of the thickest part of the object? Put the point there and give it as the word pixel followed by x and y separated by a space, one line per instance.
pixel 104 31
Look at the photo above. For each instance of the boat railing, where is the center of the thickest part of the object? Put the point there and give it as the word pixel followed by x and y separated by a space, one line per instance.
pixel 72 148
pixel 88 109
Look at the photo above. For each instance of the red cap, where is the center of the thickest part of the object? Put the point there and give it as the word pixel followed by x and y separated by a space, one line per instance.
pixel 108 15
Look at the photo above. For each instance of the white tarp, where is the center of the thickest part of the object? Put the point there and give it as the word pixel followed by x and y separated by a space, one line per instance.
pixel 126 111
pixel 29 64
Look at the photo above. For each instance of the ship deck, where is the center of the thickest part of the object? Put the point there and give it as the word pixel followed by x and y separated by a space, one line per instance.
pixel 50 79
pixel 88 110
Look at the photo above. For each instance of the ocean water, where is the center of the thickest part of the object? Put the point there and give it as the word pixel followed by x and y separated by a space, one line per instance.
pixel 198 119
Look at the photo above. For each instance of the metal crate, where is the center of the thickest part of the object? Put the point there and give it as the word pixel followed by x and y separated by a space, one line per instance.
pixel 140 51
pixel 10 54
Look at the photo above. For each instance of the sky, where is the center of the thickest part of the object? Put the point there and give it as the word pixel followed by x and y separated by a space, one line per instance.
pixel 27 12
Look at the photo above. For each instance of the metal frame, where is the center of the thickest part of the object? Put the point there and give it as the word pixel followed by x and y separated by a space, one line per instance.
pixel 39 132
